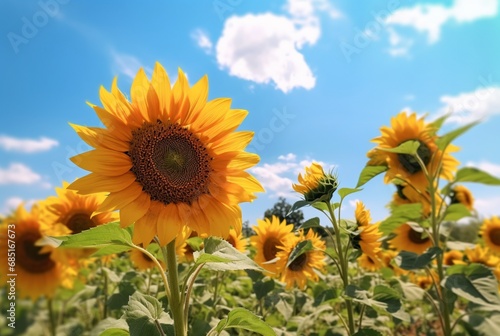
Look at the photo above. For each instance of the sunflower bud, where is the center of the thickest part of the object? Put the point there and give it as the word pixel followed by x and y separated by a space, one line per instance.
pixel 315 185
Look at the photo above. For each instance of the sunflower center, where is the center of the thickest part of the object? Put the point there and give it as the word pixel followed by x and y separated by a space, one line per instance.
pixel 170 162
pixel 298 263
pixel 495 236
pixel 30 258
pixel 410 163
pixel 270 248
pixel 416 237
pixel 80 222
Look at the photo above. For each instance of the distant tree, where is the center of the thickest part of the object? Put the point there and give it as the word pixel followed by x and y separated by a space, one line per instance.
pixel 247 230
pixel 281 209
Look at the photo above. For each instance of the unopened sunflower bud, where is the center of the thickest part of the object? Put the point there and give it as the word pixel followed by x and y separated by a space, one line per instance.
pixel 315 185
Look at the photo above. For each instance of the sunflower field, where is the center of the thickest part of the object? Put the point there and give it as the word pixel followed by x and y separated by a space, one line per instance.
pixel 150 242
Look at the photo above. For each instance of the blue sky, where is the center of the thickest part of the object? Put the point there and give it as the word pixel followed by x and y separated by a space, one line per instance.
pixel 318 77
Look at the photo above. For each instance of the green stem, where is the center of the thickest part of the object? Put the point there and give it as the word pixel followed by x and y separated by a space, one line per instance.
pixel 216 291
pixel 361 317
pixel 52 319
pixel 344 267
pixel 176 304
pixel 105 292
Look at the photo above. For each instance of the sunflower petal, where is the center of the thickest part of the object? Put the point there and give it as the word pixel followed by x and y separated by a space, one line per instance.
pixel 93 182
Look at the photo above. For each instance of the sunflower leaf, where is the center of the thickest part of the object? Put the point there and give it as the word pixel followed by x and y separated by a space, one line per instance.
pixel 102 236
pixel 471 174
pixel 436 124
pixel 297 205
pixel 343 192
pixel 299 249
pixel 476 324
pixel 240 318
pixel 455 212
pixel 368 173
pixel 310 223
pixel 115 332
pixel 263 287
pixel 399 215
pixel 143 315
pixel 443 141
pixel 411 261
pixel 409 147
pixel 219 255
pixel 367 332
pixel 474 282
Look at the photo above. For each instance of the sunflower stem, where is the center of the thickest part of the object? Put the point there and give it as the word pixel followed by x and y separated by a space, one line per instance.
pixel 343 267
pixel 175 303
pixel 52 319
pixel 160 268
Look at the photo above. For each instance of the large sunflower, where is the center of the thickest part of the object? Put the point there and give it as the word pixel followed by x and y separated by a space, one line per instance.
pixel 168 158
pixel 490 231
pixel 404 128
pixel 271 236
pixel 408 239
pixel 462 195
pixel 303 267
pixel 38 273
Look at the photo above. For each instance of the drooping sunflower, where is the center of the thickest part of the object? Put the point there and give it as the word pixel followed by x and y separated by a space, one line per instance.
pixel 39 273
pixel 462 195
pixel 168 158
pixel 490 231
pixel 404 128
pixel 482 255
pixel 409 239
pixel 237 240
pixel 387 257
pixel 271 237
pixel 368 237
pixel 304 266
pixel 315 184
pixel 370 264
pixel 453 257
pixel 405 194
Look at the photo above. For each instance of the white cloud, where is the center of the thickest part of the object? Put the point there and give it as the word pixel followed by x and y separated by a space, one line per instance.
pixel 17 173
pixel 278 177
pixel 409 97
pixel 202 40
pixel 127 64
pixel 489 167
pixel 488 206
pixel 471 106
pixel 400 46
pixel 26 145
pixel 265 48
pixel 430 18
pixel 12 203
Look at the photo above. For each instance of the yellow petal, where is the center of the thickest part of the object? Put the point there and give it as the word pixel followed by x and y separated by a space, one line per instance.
pixel 133 211
pixel 100 138
pixel 93 183
pixel 103 161
pixel 119 199
pixel 169 224
pixel 161 84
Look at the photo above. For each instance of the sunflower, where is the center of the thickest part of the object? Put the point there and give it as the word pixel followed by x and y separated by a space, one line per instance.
pixel 404 128
pixel 368 235
pixel 408 239
pixel 237 240
pixel 315 185
pixel 481 255
pixel 462 195
pixel 168 158
pixel 376 158
pixel 271 237
pixel 490 231
pixel 38 272
pixel 387 256
pixel 406 194
pixel 425 281
pixel 303 267
pixel 453 257
pixel 370 264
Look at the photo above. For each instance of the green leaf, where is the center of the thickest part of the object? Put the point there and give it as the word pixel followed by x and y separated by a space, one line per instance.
pixel 299 249
pixel 476 283
pixel 241 318
pixel 219 255
pixel 471 174
pixel 411 261
pixel 111 249
pixel 114 332
pixel 388 296
pixel 399 215
pixel 343 192
pixel 436 124
pixel 263 287
pixel 408 147
pixel 297 205
pixel 195 243
pixel 99 237
pixel 443 141
pixel 310 223
pixel 368 173
pixel 142 314
pixel 325 296
pixel 367 332
pixel 455 212
pixel 481 325
pixel 384 298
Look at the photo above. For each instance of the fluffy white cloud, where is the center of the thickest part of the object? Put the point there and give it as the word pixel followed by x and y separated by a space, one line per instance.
pixel 470 106
pixel 278 177
pixel 26 145
pixel 488 206
pixel 430 18
pixel 13 202
pixel 265 48
pixel 202 40
pixel 489 167
pixel 17 173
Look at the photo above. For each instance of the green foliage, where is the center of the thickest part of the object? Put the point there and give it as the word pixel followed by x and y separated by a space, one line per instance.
pixel 144 315
pixel 444 140
pixel 240 318
pixel 455 212
pixel 301 248
pixel 412 261
pixel 284 211
pixel 399 215
pixel 368 173
pixel 219 255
